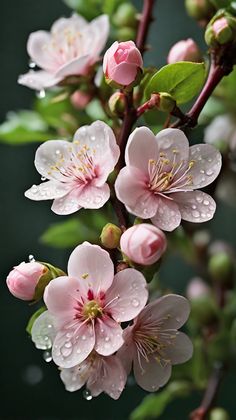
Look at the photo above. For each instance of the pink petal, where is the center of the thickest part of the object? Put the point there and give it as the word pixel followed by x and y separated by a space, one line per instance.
pixel 127 353
pixel 141 147
pixel 92 197
pixel 207 164
pixel 131 189
pixel 74 67
pixel 76 377
pixel 108 54
pixel 39 50
pixel 151 374
pixel 73 344
pixel 167 216
pixel 112 382
pixel 38 80
pixel 60 296
pixel 46 191
pixel 172 140
pixel 181 351
pixel 124 73
pixel 108 336
pixel 97 31
pixel 128 295
pixel 135 57
pixel 68 204
pixel 92 266
pixel 101 141
pixel 195 206
pixel 171 310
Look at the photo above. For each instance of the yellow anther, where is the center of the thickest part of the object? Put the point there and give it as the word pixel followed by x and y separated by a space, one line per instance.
pixel 175 151
pixel 162 154
pixel 85 276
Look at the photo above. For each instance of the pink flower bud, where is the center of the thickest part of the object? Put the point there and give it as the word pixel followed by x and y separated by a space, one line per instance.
pixel 185 50
pixel 22 280
pixel 80 99
pixel 122 63
pixel 197 288
pixel 220 25
pixel 143 244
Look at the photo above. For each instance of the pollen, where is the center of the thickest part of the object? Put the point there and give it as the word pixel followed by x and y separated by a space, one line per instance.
pixel 85 276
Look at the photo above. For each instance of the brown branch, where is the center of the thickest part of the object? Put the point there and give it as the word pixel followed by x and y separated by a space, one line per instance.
pixel 145 20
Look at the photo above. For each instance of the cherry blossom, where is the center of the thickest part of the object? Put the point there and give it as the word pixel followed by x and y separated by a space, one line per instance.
pixel 77 171
pixel 153 344
pixel 88 306
pixel 71 48
pixel 161 175
pixel 99 373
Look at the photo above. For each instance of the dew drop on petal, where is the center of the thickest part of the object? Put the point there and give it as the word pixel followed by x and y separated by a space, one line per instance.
pixel 135 302
pixel 107 339
pixel 83 337
pixel 31 64
pixel 68 345
pixel 47 356
pixel 43 178
pixel 31 258
pixel 66 351
pixel 87 395
pixel 209 172
pixel 34 189
pixel 195 213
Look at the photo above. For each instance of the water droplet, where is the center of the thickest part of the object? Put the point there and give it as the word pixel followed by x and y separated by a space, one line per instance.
pixel 83 337
pixel 93 138
pixel 31 64
pixel 199 199
pixel 195 213
pixel 47 356
pixel 65 351
pixel 34 189
pixel 135 302
pixel 78 351
pixel 41 94
pixel 68 345
pixel 69 335
pixel 202 171
pixel 206 202
pixel 43 178
pixel 107 338
pixel 87 395
pixel 194 207
pixel 209 172
pixel 31 258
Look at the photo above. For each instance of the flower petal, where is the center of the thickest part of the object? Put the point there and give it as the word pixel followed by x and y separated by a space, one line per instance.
pixel 167 216
pixel 96 35
pixel 74 378
pixel 60 297
pixel 38 80
pixel 126 353
pixel 77 22
pixel 181 351
pixel 127 295
pixel 108 336
pixel 68 204
pixel 92 197
pixel 43 331
pixel 73 68
pixel 195 206
pixel 92 266
pixel 73 344
pixel 124 73
pixel 174 144
pixel 47 191
pixel 151 374
pixel 38 48
pixel 141 147
pixel 131 189
pixel 207 164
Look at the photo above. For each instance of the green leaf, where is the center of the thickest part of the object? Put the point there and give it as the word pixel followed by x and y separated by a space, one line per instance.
pixel 94 111
pixel 181 80
pixel 33 318
pixel 24 127
pixel 87 226
pixel 89 8
pixel 109 6
pixel 212 109
pixel 218 4
pixel 154 405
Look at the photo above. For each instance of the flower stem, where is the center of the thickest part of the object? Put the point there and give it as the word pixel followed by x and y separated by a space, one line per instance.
pixel 145 21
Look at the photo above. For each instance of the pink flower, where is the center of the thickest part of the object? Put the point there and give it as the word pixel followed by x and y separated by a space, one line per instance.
pixel 185 50
pixel 71 48
pixel 153 344
pixel 161 175
pixel 122 62
pixel 22 280
pixel 144 243
pixel 100 374
pixel 197 288
pixel 88 306
pixel 76 172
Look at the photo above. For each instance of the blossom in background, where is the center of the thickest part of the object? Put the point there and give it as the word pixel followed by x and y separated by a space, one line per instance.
pixel 185 50
pixel 87 306
pixel 77 171
pixel 161 175
pixel 100 374
pixel 71 48
pixel 221 131
pixel 22 280
pixel 153 344
pixel 143 243
pixel 122 63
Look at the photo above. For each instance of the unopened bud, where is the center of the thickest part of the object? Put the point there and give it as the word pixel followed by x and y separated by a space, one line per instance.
pixel 219 413
pixel 80 99
pixel 221 267
pixel 221 30
pixel 125 16
pixel 166 102
pixel 199 9
pixel 204 311
pixel 110 236
pixel 126 33
pixel 197 288
pixel 23 279
pixel 117 103
pixel 185 50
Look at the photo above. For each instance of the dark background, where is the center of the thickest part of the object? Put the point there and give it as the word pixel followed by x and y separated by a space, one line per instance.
pixel 30 387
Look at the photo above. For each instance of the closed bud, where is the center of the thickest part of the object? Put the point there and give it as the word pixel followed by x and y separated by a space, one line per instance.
pixel 166 102
pixel 204 311
pixel 199 9
pixel 221 267
pixel 219 413
pixel 125 16
pixel 197 288
pixel 23 279
pixel 185 50
pixel 110 236
pixel 117 103
pixel 126 33
pixel 80 99
pixel 221 30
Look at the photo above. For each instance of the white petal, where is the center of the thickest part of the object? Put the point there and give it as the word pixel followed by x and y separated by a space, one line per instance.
pixel 67 204
pixel 207 164
pixel 38 50
pixel 167 216
pixel 174 144
pixel 47 191
pixel 141 147
pixel 38 80
pixel 195 206
pixel 94 197
pixel 43 331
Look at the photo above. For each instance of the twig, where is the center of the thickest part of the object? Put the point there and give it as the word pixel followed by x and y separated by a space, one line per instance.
pixel 145 20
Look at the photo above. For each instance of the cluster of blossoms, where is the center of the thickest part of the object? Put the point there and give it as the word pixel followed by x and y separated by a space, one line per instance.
pixel 87 311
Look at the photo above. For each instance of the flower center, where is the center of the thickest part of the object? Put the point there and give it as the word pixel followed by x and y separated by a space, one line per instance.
pixel 92 310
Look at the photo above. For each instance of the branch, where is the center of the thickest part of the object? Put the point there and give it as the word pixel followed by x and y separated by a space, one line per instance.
pixel 145 20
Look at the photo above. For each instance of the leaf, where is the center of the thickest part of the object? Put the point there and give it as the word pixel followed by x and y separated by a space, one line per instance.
pixel 212 109
pixel 89 8
pixel 94 111
pixel 33 318
pixel 109 6
pixel 24 127
pixel 218 4
pixel 154 405
pixel 182 80
pixel 87 226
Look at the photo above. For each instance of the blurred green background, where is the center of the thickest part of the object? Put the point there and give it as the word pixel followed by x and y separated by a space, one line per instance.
pixel 30 387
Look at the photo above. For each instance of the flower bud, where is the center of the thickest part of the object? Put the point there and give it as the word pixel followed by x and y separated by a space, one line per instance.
pixel 23 279
pixel 143 244
pixel 197 288
pixel 125 33
pixel 219 413
pixel 185 50
pixel 125 16
pixel 166 102
pixel 199 9
pixel 80 99
pixel 204 310
pixel 221 267
pixel 221 30
pixel 110 236
pixel 122 64
pixel 117 103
